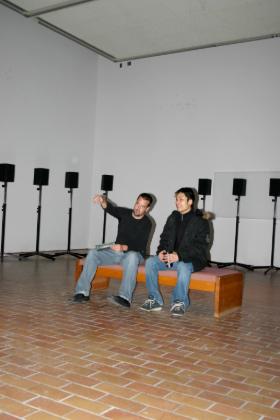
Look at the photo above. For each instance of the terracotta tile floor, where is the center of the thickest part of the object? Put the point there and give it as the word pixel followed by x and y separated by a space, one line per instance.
pixel 60 360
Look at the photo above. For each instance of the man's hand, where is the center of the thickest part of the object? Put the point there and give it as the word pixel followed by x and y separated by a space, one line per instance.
pixel 100 199
pixel 119 248
pixel 162 256
pixel 168 258
pixel 173 257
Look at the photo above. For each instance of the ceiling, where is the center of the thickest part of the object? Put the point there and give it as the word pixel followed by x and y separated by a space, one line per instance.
pixel 123 30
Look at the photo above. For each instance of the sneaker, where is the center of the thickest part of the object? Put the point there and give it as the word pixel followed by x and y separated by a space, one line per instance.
pixel 79 297
pixel 118 300
pixel 177 309
pixel 151 305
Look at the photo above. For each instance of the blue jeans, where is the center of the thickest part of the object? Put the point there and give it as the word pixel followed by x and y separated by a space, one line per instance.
pixel 129 260
pixel 181 290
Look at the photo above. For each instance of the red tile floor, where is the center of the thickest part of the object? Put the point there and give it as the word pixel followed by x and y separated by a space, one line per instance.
pixel 60 360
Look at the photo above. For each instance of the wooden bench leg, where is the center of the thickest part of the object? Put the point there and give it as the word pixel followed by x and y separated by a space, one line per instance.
pixel 228 294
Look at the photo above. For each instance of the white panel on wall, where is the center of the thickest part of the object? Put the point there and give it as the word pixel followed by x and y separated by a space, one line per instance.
pixel 256 204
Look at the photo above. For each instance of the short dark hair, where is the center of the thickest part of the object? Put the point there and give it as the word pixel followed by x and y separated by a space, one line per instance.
pixel 146 196
pixel 189 193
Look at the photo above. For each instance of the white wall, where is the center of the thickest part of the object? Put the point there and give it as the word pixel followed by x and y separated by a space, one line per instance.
pixel 47 108
pixel 165 122
pixel 158 125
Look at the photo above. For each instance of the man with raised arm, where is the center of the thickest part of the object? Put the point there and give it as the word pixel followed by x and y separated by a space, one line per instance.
pixel 129 250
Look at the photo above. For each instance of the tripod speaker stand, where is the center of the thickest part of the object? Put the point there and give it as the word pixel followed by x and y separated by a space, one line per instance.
pixel 204 189
pixel 106 185
pixel 239 189
pixel 274 190
pixel 7 174
pixel 71 181
pixel 41 177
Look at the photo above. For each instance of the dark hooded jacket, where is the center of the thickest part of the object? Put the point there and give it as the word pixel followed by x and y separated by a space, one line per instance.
pixel 194 243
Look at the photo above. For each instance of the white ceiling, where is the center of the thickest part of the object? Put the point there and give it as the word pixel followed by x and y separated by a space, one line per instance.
pixel 123 30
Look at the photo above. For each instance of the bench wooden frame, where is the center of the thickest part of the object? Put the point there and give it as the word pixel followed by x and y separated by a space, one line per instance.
pixel 226 284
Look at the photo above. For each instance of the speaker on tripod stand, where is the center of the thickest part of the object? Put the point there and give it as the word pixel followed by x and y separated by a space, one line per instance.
pixel 41 177
pixel 71 182
pixel 239 190
pixel 7 174
pixel 106 185
pixel 274 191
pixel 204 189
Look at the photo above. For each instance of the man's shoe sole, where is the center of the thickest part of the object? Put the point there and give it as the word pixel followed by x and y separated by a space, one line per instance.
pixel 152 309
pixel 80 299
pixel 112 300
pixel 174 314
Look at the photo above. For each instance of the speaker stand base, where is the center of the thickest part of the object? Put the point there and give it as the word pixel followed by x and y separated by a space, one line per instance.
pixel 39 254
pixel 267 267
pixel 73 254
pixel 271 266
pixel 234 263
pixel 8 254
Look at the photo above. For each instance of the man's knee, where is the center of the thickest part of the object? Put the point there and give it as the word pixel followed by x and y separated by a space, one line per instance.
pixel 92 254
pixel 184 268
pixel 132 258
pixel 185 265
pixel 92 258
pixel 151 262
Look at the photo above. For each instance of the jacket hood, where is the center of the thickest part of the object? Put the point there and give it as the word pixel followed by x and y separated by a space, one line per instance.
pixel 207 215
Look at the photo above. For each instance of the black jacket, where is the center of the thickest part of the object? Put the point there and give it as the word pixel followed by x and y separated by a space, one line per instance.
pixel 194 244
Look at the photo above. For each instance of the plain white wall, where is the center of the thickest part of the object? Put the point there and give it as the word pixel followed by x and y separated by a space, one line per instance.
pixel 165 122
pixel 47 108
pixel 156 125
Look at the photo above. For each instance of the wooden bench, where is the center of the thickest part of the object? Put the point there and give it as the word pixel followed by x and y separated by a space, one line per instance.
pixel 226 284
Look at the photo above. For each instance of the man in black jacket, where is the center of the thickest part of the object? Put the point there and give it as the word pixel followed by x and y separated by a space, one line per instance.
pixel 129 250
pixel 183 247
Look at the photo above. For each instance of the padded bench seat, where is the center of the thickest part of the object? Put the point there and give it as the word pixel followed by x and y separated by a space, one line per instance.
pixel 226 284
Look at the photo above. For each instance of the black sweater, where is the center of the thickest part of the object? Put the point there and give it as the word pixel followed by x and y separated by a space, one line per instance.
pixel 131 232
pixel 193 242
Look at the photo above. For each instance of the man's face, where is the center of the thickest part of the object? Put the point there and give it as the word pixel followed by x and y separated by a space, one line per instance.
pixel 183 203
pixel 141 207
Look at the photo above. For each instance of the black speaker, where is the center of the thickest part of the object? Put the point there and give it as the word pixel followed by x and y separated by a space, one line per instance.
pixel 239 186
pixel 71 179
pixel 107 182
pixel 7 172
pixel 274 187
pixel 41 176
pixel 204 186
